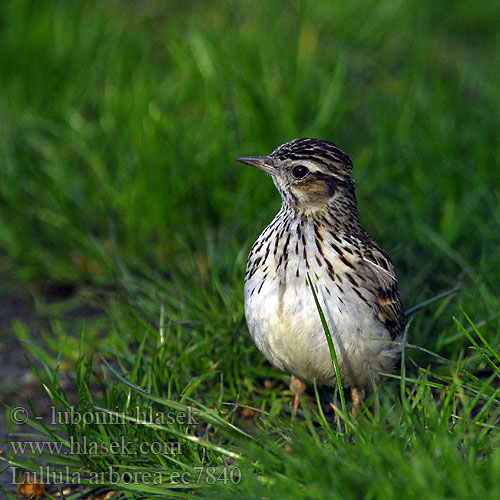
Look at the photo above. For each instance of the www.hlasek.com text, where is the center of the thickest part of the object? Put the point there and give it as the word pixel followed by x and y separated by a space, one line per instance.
pixel 84 446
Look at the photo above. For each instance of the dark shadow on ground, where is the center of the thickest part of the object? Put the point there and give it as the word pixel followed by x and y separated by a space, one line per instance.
pixel 18 384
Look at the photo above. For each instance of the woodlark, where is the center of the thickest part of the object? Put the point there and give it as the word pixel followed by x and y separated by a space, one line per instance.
pixel 317 234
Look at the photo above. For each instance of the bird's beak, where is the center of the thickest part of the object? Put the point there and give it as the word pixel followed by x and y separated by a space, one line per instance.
pixel 265 163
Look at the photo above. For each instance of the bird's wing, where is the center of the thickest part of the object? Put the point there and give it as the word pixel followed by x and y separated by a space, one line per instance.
pixel 380 271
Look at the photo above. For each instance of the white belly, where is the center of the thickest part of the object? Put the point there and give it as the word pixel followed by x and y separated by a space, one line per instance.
pixel 285 325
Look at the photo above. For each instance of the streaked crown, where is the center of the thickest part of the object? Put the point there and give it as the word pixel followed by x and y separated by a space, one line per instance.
pixel 323 152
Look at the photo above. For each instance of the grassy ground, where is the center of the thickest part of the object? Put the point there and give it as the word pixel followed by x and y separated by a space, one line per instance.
pixel 119 123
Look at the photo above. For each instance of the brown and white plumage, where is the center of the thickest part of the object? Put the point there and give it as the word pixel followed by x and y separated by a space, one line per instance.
pixel 317 234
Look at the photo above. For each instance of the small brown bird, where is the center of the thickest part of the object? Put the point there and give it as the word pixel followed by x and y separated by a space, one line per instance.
pixel 317 234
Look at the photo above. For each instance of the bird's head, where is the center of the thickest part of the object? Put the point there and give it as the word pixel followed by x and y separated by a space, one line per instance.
pixel 310 174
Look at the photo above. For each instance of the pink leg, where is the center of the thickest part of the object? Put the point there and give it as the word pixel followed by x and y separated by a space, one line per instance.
pixel 296 386
pixel 357 396
pixel 296 403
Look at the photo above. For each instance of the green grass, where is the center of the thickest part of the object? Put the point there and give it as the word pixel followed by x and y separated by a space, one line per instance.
pixel 119 123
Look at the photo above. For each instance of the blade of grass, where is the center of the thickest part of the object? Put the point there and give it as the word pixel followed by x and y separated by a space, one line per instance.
pixel 476 345
pixel 430 301
pixel 207 413
pixel 480 335
pixel 333 354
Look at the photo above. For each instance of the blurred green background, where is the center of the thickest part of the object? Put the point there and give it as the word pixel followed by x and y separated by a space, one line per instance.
pixel 120 122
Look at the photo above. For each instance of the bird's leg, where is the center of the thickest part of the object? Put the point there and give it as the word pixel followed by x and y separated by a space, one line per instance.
pixel 296 386
pixel 357 396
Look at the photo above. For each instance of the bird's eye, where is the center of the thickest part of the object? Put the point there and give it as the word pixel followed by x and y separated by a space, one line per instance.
pixel 299 172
